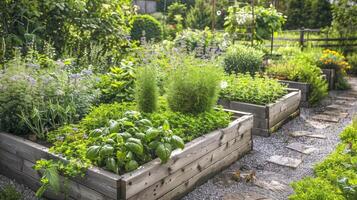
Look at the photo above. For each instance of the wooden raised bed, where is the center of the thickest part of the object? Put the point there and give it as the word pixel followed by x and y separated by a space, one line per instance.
pixel 305 89
pixel 18 156
pixel 269 118
pixel 198 161
pixel 330 77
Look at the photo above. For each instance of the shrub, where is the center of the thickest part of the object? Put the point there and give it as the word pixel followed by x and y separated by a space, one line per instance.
pixel 315 189
pixel 302 71
pixel 146 89
pixel 352 60
pixel 241 59
pixel 118 84
pixel 148 25
pixel 256 90
pixel 9 193
pixel 176 9
pixel 335 60
pixel 193 86
pixel 199 16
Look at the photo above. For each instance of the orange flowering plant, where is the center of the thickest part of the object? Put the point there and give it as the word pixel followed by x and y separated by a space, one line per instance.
pixel 333 60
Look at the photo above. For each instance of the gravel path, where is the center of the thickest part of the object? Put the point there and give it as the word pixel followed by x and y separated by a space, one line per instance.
pixel 27 194
pixel 272 181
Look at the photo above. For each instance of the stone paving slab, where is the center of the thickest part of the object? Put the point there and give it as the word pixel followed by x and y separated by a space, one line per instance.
pixel 319 136
pixel 336 107
pixel 336 114
pixel 300 133
pixel 285 161
pixel 302 148
pixel 326 118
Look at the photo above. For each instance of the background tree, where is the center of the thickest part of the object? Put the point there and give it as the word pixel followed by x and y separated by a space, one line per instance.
pixel 200 16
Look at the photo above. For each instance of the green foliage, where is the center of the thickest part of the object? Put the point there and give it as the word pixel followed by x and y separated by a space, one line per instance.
pixel 189 126
pixel 67 24
pixel 352 60
pixel 36 100
pixel 146 89
pixel 302 68
pixel 9 192
pixel 118 84
pixel 256 90
pixel 193 85
pixel 176 9
pixel 314 189
pixel 336 175
pixel 267 21
pixel 308 14
pixel 201 42
pixel 199 16
pixel 242 59
pixel 345 18
pixel 146 25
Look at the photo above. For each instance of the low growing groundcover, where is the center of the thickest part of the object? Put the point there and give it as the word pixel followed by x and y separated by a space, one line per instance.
pixel 336 176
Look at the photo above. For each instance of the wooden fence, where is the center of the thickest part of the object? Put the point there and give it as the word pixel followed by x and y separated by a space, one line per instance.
pixel 305 41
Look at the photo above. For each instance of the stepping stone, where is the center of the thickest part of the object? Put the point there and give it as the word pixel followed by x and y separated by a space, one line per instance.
pixel 245 196
pixel 302 148
pixel 273 185
pixel 319 136
pixel 300 133
pixel 317 124
pixel 285 161
pixel 344 102
pixel 326 118
pixel 346 98
pixel 336 114
pixel 336 107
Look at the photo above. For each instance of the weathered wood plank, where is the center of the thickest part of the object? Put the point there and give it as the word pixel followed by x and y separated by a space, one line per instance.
pixel 205 174
pixel 330 77
pixel 284 107
pixel 10 160
pixel 173 180
pixel 134 182
pixel 303 87
pixel 258 111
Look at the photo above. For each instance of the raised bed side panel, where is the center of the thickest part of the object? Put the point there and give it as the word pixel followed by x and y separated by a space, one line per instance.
pixel 154 180
pixel 330 77
pixel 284 107
pixel 18 156
pixel 303 87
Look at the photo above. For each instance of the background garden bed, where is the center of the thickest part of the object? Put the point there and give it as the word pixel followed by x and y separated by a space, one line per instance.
pixel 268 118
pixel 185 169
pixel 305 89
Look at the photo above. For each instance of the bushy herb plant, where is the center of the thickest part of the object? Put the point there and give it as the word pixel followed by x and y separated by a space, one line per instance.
pixel 118 84
pixel 255 90
pixel 352 60
pixel 193 85
pixel 242 59
pixel 36 100
pixel 336 175
pixel 300 71
pixel 146 89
